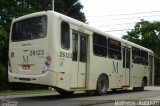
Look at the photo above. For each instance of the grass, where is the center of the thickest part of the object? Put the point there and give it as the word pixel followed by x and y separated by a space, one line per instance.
pixel 14 92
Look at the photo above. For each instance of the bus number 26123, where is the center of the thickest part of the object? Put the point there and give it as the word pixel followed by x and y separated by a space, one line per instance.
pixel 36 52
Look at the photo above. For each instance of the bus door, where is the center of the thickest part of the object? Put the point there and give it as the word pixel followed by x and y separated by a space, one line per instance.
pixel 79 55
pixel 126 66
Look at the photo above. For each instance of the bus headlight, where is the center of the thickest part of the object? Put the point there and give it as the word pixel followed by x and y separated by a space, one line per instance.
pixel 47 64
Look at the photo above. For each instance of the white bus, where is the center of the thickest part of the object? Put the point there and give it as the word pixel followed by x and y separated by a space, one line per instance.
pixel 51 49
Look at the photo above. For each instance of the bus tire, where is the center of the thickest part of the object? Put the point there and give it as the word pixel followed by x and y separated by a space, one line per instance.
pixel 102 85
pixel 144 83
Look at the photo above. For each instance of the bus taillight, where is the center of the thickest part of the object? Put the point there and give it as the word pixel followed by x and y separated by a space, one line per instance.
pixel 47 64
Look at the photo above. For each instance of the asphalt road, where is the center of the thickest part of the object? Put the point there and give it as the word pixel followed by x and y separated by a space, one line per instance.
pixel 80 99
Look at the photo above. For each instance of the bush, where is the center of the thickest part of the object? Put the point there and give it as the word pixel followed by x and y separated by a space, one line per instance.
pixel 3 77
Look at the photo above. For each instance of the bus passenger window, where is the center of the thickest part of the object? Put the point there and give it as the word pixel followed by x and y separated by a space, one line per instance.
pixel 128 58
pixel 144 58
pixel 74 46
pixel 99 45
pixel 136 55
pixel 83 48
pixel 114 49
pixel 65 35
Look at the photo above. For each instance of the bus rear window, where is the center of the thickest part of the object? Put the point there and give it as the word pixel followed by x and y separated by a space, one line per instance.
pixel 29 29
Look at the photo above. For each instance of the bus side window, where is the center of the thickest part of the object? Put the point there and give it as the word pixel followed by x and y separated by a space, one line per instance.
pixel 136 55
pixel 74 46
pixel 114 49
pixel 65 35
pixel 144 58
pixel 99 45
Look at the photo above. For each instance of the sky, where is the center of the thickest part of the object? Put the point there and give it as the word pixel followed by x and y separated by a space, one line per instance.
pixel 116 17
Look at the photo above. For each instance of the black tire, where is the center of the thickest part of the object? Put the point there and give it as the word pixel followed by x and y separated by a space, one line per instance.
pixel 102 85
pixel 144 83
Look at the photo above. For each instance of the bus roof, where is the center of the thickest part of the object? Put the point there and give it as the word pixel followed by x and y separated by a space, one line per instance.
pixel 82 25
pixel 86 26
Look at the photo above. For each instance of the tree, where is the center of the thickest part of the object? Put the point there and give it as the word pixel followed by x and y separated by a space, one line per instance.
pixel 3 59
pixel 3 45
pixel 146 34
pixel 16 8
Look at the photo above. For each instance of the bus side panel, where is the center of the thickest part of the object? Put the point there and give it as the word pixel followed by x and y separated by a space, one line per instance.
pixel 64 71
pixel 64 60
pixel 96 68
pixel 53 45
pixel 136 75
pixel 104 65
pixel 101 65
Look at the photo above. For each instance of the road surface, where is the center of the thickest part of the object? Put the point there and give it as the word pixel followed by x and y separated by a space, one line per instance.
pixel 80 99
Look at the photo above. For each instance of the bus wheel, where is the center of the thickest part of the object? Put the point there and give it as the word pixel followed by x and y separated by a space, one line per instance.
pixel 102 85
pixel 144 83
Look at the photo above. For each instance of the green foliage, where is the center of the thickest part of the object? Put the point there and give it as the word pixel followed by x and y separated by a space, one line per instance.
pixel 3 77
pixel 3 58
pixel 16 8
pixel 3 45
pixel 2 72
pixel 146 34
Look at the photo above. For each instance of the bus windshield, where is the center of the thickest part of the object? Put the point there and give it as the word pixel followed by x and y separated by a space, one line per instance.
pixel 29 29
